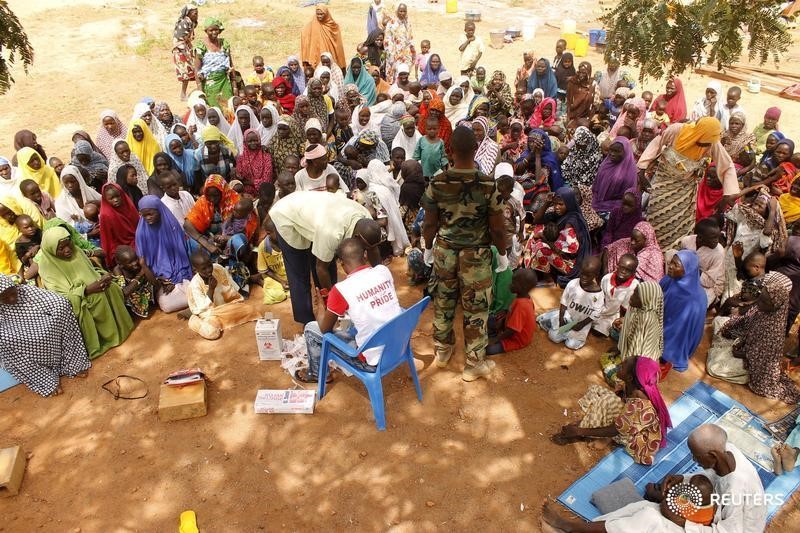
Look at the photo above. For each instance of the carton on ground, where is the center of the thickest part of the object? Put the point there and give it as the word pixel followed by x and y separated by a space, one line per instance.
pixel 12 468
pixel 268 338
pixel 285 401
pixel 180 403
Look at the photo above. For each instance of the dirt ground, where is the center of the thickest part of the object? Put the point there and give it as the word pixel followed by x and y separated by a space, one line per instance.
pixel 469 457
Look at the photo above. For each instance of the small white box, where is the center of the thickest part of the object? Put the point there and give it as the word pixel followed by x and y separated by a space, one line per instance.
pixel 285 401
pixel 268 338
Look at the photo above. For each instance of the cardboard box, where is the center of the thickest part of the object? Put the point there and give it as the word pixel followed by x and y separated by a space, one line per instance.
pixel 285 401
pixel 268 338
pixel 180 403
pixel 12 468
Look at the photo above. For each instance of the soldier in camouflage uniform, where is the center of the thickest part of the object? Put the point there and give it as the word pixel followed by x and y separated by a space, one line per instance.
pixel 464 212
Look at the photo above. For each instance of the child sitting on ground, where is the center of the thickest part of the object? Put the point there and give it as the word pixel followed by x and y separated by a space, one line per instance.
pixel 754 267
pixel 516 330
pixel 27 246
pixel 271 270
pixel 137 282
pixel 513 220
pixel 710 253
pixel 618 287
pixel 239 229
pixel 581 304
pixel 43 202
pixel 91 229
pixel 430 150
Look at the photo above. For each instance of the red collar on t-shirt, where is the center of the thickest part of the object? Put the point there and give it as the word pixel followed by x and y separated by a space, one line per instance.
pixel 614 283
pixel 359 269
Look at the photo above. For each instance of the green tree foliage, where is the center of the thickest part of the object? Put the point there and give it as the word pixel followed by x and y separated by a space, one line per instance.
pixel 14 45
pixel 670 36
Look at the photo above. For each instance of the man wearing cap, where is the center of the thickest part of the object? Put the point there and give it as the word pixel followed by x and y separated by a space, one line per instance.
pixel 400 85
pixel 445 82
pixel 310 227
pixel 316 170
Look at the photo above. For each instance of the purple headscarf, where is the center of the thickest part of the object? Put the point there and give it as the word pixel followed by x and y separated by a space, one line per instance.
pixel 163 245
pixel 620 224
pixel 647 374
pixel 613 179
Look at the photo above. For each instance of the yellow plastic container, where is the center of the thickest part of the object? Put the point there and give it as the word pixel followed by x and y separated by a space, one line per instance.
pixel 451 6
pixel 571 38
pixel 581 46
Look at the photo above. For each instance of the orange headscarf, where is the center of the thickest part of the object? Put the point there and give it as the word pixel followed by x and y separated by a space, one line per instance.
pixel 318 37
pixel 707 130
pixel 202 213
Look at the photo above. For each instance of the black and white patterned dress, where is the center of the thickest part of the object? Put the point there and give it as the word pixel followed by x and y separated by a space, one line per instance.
pixel 40 340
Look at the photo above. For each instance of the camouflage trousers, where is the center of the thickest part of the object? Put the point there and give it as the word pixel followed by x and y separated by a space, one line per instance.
pixel 466 273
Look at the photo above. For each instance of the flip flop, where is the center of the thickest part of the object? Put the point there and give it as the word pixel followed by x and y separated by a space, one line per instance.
pixel 188 522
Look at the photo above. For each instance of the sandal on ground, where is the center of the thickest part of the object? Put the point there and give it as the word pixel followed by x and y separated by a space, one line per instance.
pixel 561 440
pixel 303 376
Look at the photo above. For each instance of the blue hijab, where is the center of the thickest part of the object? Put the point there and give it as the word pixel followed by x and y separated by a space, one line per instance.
pixel 769 157
pixel 548 158
pixel 684 312
pixel 365 82
pixel 546 82
pixel 298 78
pixel 574 218
pixel 186 163
pixel 430 76
pixel 163 244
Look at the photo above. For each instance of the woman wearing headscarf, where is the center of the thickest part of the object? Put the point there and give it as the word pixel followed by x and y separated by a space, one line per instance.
pixel 736 138
pixel 165 116
pixel 39 340
pixel 95 165
pixel 633 115
pixel 380 181
pixel 580 93
pixel 321 34
pixel 11 207
pixel 455 112
pixel 381 85
pixel 216 117
pixel 131 190
pixel 499 94
pixel 376 51
pixel 623 218
pixel 615 175
pixel 9 184
pixel 203 224
pixel 540 162
pixel 161 243
pixel 297 73
pixel 122 156
pixel 283 92
pixel 572 243
pixel 143 112
pixel 515 142
pixel 27 139
pixel 639 420
pixel 545 114
pixel 74 196
pixel 564 71
pixel 398 41
pixel 357 74
pixel 543 78
pixel 580 166
pixel 435 108
pixel 337 79
pixel 760 334
pixel 254 164
pixel 675 99
pixel 245 120
pixel 32 166
pixel 684 309
pixel 143 144
pixel 321 104
pixel 390 125
pixel 272 129
pixel 97 302
pixel 763 130
pixel 83 135
pixel 182 49
pixel 213 63
pixel 183 158
pixel 643 244
pixel 710 105
pixel 407 136
pixel 676 159
pixel 119 219
pixel 488 151
pixel 642 332
pixel 288 140
pixel 434 67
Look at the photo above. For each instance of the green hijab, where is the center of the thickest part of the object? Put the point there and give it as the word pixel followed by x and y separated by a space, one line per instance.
pixel 64 276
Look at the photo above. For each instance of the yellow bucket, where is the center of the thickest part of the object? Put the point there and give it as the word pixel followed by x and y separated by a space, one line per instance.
pixel 451 6
pixel 570 38
pixel 581 46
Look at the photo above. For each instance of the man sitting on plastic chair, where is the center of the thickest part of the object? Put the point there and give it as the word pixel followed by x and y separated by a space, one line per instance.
pixel 368 297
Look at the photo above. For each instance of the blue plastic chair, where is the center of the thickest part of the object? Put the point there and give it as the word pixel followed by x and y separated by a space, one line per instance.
pixel 395 338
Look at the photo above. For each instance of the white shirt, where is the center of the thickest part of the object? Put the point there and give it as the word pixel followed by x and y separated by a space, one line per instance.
pixel 745 489
pixel 304 182
pixel 638 517
pixel 308 219
pixel 180 207
pixel 615 298
pixel 726 113
pixel 581 305
pixel 370 300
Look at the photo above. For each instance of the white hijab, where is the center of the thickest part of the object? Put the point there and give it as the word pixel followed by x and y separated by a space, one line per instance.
pixel 223 125
pixel 333 90
pixel 387 190
pixel 409 144
pixel 236 135
pixel 269 133
pixel 156 127
pixel 67 207
pixel 454 113
pixel 197 122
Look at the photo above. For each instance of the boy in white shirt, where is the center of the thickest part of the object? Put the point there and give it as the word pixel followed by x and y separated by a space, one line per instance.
pixel 618 287
pixel 179 202
pixel 369 299
pixel 471 48
pixel 581 304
